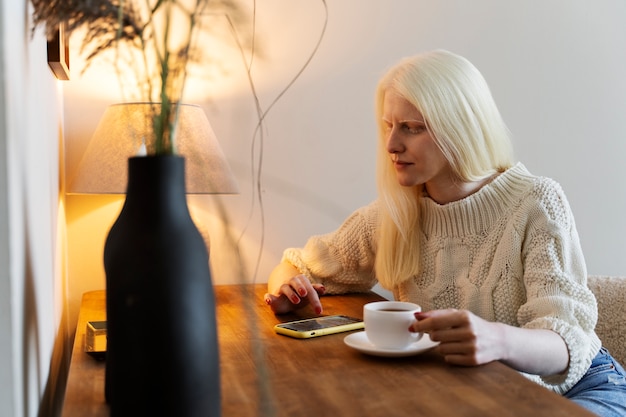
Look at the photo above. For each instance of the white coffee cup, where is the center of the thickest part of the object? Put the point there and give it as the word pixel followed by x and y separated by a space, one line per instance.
pixel 387 323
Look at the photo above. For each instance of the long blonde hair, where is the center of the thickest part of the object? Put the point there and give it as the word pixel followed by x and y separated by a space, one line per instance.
pixel 465 123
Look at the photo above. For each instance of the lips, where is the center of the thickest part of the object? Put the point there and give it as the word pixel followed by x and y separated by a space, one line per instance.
pixel 401 163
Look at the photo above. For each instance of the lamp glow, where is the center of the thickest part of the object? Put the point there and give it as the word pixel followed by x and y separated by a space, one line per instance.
pixel 124 131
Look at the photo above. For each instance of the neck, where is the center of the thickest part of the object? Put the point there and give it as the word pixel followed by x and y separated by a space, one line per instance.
pixel 455 190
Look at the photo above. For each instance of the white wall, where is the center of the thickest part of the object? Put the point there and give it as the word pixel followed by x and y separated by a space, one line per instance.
pixel 31 223
pixel 555 67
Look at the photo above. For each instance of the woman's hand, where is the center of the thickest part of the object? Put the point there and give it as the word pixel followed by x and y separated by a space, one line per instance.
pixel 288 290
pixel 466 339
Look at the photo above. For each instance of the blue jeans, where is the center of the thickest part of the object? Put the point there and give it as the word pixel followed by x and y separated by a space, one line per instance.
pixel 603 388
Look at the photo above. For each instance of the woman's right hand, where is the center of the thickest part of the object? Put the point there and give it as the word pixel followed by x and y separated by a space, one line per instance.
pixel 288 290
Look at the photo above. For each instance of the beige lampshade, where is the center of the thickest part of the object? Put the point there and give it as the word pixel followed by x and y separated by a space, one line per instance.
pixel 122 131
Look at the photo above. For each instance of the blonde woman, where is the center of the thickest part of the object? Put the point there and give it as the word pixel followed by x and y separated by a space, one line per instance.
pixel 488 250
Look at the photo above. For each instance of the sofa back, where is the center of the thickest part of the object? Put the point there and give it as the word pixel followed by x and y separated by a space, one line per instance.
pixel 610 291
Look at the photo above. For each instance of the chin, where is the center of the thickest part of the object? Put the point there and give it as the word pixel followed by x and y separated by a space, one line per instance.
pixel 405 183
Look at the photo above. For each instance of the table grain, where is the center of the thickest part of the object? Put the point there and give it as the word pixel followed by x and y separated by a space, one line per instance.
pixel 266 374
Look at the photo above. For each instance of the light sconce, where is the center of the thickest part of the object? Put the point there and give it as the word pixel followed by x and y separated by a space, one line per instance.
pixel 58 49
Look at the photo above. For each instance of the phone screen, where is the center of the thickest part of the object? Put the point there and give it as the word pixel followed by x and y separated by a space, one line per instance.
pixel 319 326
pixel 319 323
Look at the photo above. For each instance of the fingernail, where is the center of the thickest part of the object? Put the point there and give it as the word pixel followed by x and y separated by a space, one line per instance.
pixel 302 292
pixel 295 299
pixel 268 301
pixel 318 310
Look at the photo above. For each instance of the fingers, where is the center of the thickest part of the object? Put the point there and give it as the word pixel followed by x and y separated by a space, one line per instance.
pixel 464 339
pixel 462 359
pixel 278 304
pixel 466 353
pixel 437 320
pixel 299 289
pixel 314 297
pixel 319 288
pixel 449 327
pixel 296 293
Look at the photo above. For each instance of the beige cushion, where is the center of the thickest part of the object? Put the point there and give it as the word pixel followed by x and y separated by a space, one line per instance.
pixel 611 328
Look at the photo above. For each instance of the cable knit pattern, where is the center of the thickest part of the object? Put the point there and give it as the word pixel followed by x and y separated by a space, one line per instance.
pixel 344 260
pixel 509 253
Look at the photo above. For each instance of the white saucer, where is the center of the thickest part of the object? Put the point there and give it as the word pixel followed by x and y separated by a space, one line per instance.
pixel 360 342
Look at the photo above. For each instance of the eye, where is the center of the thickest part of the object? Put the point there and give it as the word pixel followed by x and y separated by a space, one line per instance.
pixel 414 128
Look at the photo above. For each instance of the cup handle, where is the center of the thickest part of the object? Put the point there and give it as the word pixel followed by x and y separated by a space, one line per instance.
pixel 416 336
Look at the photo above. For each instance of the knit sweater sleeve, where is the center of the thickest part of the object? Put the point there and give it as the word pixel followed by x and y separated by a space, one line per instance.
pixel 555 279
pixel 343 261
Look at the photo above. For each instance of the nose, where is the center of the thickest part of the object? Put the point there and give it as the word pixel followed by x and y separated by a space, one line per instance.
pixel 394 144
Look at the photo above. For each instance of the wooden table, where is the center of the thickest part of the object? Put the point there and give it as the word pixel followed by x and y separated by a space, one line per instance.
pixel 264 374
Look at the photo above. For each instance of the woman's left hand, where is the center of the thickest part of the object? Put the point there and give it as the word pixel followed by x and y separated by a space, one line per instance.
pixel 465 339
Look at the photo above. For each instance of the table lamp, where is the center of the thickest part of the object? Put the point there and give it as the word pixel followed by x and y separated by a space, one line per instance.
pixel 121 133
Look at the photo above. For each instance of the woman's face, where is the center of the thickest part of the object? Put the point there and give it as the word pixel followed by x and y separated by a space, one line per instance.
pixel 416 157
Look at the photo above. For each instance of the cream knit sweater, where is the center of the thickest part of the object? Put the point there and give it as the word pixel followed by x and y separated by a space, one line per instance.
pixel 509 253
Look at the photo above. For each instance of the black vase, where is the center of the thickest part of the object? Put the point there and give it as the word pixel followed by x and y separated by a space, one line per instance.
pixel 162 352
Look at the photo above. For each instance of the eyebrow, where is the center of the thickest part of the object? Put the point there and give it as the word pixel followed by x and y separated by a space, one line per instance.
pixel 405 121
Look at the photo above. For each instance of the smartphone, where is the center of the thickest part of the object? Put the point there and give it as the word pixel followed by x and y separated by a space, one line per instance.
pixel 96 339
pixel 319 326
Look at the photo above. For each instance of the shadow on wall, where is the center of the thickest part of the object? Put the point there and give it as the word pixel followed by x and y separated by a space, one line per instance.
pixel 54 388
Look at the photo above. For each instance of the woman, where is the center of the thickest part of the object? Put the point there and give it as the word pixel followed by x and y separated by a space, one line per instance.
pixel 488 250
